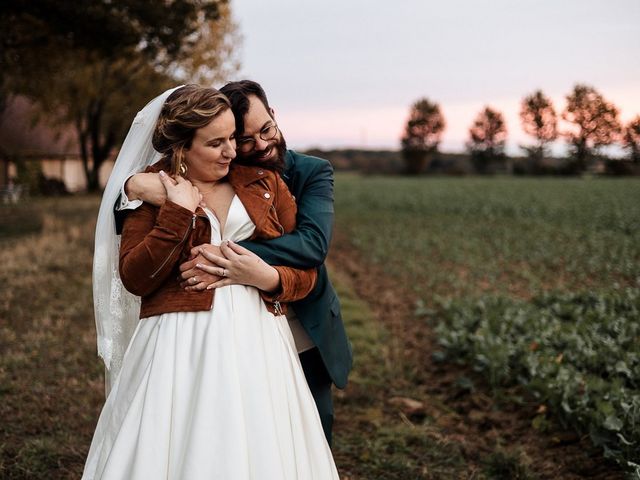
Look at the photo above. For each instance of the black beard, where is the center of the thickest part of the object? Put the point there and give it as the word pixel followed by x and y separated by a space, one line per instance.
pixel 276 163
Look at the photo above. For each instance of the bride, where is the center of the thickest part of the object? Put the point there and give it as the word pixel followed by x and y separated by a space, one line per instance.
pixel 203 386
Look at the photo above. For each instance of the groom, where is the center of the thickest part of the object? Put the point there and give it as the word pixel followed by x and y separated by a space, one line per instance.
pixel 316 322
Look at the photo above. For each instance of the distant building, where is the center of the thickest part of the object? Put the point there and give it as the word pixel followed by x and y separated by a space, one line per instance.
pixel 22 138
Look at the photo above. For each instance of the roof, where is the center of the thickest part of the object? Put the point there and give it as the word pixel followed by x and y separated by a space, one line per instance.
pixel 21 134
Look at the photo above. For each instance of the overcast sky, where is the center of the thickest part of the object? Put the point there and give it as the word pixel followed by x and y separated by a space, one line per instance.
pixel 344 73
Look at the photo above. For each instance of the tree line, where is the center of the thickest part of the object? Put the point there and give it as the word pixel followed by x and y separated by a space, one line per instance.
pixel 92 64
pixel 592 123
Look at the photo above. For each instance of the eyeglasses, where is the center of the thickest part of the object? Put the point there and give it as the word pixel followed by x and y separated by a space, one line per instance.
pixel 247 144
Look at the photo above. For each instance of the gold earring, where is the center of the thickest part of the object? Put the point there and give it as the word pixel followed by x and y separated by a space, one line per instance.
pixel 183 169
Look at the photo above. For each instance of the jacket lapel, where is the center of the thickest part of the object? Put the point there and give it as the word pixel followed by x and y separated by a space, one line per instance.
pixel 289 170
pixel 252 189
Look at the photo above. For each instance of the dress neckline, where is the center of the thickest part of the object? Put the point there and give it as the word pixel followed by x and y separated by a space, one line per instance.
pixel 213 218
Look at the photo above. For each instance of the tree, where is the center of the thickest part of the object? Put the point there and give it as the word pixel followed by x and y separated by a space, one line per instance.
pixel 422 134
pixel 209 54
pixel 539 120
pixel 94 64
pixel 488 136
pixel 631 139
pixel 38 31
pixel 594 124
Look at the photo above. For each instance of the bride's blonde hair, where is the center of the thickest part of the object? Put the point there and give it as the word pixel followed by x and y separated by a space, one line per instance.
pixel 185 110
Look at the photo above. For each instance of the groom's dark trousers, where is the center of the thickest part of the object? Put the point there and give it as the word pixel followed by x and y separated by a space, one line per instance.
pixel 310 180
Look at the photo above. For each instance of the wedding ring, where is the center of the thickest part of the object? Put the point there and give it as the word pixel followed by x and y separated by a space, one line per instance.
pixel 224 272
pixel 194 280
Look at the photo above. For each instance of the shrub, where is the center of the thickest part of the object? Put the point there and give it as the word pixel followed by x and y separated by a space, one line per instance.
pixel 578 354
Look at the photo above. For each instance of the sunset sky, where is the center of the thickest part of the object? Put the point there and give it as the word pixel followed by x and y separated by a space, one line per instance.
pixel 344 73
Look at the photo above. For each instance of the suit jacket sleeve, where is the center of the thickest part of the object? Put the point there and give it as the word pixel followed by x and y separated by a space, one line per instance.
pixel 307 246
pixel 295 283
pixel 119 216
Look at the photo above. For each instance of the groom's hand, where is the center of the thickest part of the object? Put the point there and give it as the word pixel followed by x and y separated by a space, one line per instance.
pixel 146 187
pixel 195 279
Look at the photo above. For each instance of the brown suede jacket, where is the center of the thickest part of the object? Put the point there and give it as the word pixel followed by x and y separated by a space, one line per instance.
pixel 155 241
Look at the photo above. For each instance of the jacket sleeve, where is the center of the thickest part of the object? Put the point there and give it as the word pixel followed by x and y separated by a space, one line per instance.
pixel 307 246
pixel 295 284
pixel 151 245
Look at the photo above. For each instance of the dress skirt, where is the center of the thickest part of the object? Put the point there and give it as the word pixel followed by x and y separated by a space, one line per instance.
pixel 216 394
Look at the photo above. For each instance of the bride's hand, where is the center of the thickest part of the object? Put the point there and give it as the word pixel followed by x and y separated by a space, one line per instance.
pixel 181 191
pixel 240 266
pixel 195 279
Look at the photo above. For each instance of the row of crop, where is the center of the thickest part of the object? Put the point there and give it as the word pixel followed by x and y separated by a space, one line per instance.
pixel 577 354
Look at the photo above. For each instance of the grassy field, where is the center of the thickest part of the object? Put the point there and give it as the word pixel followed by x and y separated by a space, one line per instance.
pixel 446 244
pixel 532 282
pixel 51 385
pixel 51 380
pixel 517 236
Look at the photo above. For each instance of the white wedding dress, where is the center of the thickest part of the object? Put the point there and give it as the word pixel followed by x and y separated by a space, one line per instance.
pixel 212 395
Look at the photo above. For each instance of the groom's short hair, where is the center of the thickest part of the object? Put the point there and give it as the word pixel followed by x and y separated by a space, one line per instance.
pixel 238 94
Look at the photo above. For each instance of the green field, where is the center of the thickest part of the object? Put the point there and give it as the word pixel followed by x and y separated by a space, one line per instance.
pixel 467 237
pixel 532 282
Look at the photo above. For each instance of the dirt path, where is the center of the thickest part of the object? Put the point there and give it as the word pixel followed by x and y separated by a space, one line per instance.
pixel 466 414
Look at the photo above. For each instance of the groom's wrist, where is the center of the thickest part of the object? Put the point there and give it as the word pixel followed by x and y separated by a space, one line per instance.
pixel 130 189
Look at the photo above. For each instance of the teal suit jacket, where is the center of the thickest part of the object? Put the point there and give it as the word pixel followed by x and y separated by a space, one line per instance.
pixel 310 180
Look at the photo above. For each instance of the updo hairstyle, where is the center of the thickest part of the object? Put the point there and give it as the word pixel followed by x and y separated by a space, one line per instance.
pixel 185 110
